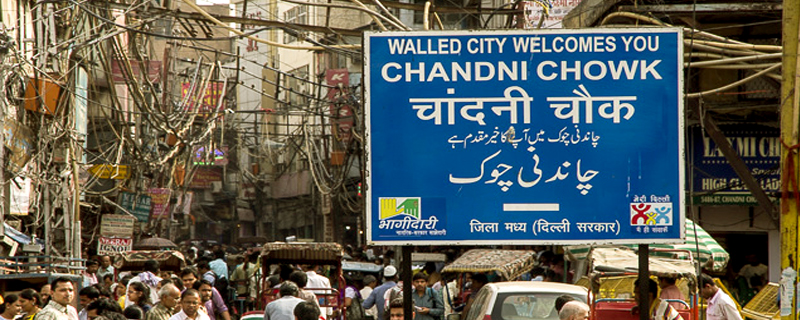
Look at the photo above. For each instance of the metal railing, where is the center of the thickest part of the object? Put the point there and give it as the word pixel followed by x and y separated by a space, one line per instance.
pixel 40 264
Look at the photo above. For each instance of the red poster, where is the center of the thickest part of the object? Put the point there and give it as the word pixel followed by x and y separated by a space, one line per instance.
pixel 159 202
pixel 204 176
pixel 210 97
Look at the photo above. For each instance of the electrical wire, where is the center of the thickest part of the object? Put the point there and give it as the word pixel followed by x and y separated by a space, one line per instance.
pixel 267 42
pixel 166 36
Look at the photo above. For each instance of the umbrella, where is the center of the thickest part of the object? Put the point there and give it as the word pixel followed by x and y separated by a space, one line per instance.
pixel 702 246
pixel 155 244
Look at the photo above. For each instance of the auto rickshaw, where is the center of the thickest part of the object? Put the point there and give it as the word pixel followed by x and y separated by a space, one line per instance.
pixel 507 265
pixel 612 271
pixel 358 270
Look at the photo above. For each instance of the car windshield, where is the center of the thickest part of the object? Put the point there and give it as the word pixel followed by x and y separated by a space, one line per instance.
pixel 528 305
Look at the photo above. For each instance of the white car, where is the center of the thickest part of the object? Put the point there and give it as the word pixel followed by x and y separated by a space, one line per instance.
pixel 521 300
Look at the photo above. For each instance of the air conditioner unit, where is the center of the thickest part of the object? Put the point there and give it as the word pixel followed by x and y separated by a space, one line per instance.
pixel 216 186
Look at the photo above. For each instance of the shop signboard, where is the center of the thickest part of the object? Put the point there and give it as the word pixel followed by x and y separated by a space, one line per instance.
pixel 714 180
pixel 116 225
pixel 136 204
pixel 112 246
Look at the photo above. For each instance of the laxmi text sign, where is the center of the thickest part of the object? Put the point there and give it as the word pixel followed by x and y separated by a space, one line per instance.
pixel 716 183
pixel 557 136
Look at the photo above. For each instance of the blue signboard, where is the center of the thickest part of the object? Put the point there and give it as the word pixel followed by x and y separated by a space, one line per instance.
pixel 520 137
pixel 136 204
pixel 714 180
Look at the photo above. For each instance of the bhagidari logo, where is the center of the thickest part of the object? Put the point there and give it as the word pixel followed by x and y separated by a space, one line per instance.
pixel 390 207
pixel 406 218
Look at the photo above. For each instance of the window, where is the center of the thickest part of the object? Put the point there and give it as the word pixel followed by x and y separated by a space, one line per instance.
pixel 479 304
pixel 297 87
pixel 528 305
pixel 296 15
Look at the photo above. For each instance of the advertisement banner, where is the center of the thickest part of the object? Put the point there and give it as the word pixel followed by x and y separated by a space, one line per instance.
pixel 210 98
pixel 160 202
pixel 112 246
pixel 116 225
pixel 341 113
pixel 136 204
pixel 206 157
pixel 204 176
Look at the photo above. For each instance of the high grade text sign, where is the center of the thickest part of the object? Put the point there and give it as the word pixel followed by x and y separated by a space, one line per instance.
pixel 565 136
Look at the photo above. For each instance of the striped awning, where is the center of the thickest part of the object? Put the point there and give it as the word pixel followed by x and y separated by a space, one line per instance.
pixel 703 247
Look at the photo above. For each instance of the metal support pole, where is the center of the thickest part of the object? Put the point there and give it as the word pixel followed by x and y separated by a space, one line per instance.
pixel 408 312
pixel 790 125
pixel 643 293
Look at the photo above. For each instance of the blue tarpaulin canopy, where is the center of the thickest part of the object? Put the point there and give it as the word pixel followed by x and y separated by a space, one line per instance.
pixel 19 237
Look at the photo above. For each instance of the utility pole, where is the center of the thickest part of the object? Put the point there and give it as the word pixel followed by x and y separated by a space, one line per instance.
pixel 790 125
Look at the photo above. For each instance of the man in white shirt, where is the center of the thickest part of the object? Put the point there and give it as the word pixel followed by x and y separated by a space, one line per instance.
pixel 190 307
pixel 283 308
pixel 369 283
pixel 90 274
pixel 105 268
pixel 317 281
pixel 720 305
pixel 150 278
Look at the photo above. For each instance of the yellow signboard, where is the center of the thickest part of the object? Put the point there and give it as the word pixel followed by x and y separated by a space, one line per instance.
pixel 107 171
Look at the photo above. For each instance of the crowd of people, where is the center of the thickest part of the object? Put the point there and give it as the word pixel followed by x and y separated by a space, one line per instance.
pixel 208 288
pixel 211 288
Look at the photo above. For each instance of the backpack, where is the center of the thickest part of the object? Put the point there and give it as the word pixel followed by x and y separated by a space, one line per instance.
pixel 433 295
pixel 355 311
pixel 221 284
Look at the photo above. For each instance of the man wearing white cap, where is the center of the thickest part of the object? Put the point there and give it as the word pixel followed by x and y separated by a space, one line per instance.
pixel 376 298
